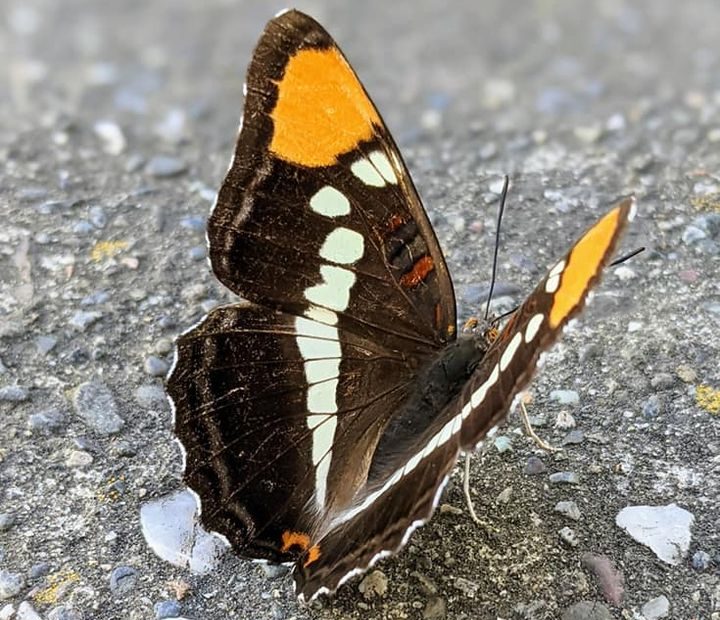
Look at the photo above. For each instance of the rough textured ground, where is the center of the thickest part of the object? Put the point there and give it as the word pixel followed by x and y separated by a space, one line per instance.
pixel 102 264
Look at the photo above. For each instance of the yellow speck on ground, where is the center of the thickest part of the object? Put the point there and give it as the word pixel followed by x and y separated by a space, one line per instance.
pixel 708 398
pixel 57 586
pixel 708 202
pixel 106 249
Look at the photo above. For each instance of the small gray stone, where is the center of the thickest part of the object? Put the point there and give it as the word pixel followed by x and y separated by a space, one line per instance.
pixel 167 609
pixel 274 571
pixel 534 466
pixel 374 585
pixel 26 611
pixel 587 610
pixel 573 438
pixel 164 166
pixel 567 535
pixel 78 459
pixel 701 560
pixel 656 608
pixel 45 344
pixel 569 509
pixel 150 395
pixel 46 421
pixel 564 477
pixel 662 381
pixel 83 227
pixel 7 520
pixel 194 222
pixel 693 234
pixel 10 584
pixel 651 407
pixel 82 319
pixel 39 570
pixel 156 367
pixel 94 299
pixel 14 393
pixel 95 404
pixel 502 443
pixel 163 346
pixel 565 397
pixel 197 253
pixel 64 613
pixel 123 579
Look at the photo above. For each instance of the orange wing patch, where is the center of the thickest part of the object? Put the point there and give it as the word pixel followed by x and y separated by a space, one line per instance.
pixel 420 270
pixel 292 539
pixel 583 264
pixel 322 109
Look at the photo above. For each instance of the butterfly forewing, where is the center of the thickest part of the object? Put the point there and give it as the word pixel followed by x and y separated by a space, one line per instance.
pixel 317 209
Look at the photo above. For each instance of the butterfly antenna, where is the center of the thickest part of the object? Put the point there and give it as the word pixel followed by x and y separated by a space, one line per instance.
pixel 622 259
pixel 501 210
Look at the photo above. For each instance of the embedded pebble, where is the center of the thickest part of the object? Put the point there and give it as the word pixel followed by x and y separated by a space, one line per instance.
pixel 150 395
pixel 502 443
pixel 652 407
pixel 78 458
pixel 26 611
pixel 163 346
pixel 95 404
pixel 45 344
pixel 624 273
pixel 504 495
pixel 10 584
pixel 568 536
pixel 374 585
pixel 111 136
pixel 662 381
pixel 565 397
pixel 565 420
pixel 7 520
pixel 693 234
pixel 7 612
pixel 686 374
pixel 701 560
pixel 197 253
pixel 167 609
pixel 171 528
pixel 435 609
pixel 194 222
pixel 664 529
pixel 61 612
pixel 467 587
pixel 573 438
pixel 14 394
pixel 39 570
pixel 164 166
pixel 587 610
pixel 46 421
pixel 534 466
pixel 156 367
pixel 569 509
pixel 123 579
pixel 564 477
pixel 82 319
pixel 274 571
pixel 611 580
pixel 94 299
pixel 656 608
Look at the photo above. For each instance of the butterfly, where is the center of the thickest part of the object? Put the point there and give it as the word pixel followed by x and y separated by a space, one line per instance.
pixel 321 416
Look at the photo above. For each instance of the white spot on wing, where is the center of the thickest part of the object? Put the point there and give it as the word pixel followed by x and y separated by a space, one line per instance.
pixel 552 284
pixel 323 315
pixel 533 326
pixel 321 397
pixel 334 292
pixel 383 165
pixel 330 202
pixel 510 351
pixel 343 246
pixel 479 395
pixel 322 369
pixel 367 173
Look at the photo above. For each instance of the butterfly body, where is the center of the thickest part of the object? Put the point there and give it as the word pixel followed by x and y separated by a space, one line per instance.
pixel 321 417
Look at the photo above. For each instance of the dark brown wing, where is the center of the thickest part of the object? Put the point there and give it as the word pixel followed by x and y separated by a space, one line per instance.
pixel 317 208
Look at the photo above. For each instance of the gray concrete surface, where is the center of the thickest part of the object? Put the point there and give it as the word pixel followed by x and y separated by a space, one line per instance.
pixel 102 264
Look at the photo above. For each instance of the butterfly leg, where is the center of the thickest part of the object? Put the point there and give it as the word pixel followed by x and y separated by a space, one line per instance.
pixel 541 443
